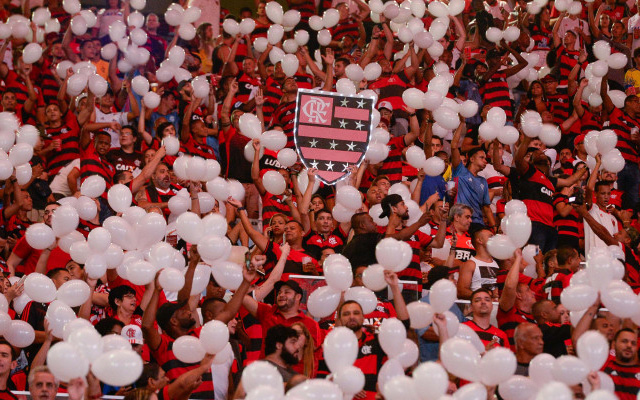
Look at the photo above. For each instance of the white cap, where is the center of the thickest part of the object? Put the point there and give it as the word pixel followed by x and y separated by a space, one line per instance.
pixel 133 334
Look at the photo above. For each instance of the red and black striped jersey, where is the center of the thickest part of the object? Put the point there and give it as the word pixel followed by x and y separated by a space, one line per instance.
pixel 15 82
pixel 347 27
pixel 536 191
pixel 542 38
pixel 631 266
pixel 304 80
pixel 271 205
pixel 370 360
pixel 495 93
pixel 392 165
pixel 626 379
pixel 193 148
pixel 246 87
pixel 560 105
pixel 260 30
pixel 313 242
pixel 85 227
pixel 570 225
pixel 566 60
pixel 413 272
pixel 623 124
pixel 284 116
pixel 590 122
pixel 174 368
pixel 48 83
pixel 272 96
pixel 155 195
pixel 92 164
pixel 556 283
pixel 253 328
pixel 123 161
pixel 489 335
pixel 307 8
pixel 509 320
pixel 391 88
pixel 69 135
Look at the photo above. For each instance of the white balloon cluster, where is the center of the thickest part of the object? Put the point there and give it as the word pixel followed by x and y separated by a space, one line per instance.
pixel 183 19
pixel 18 141
pixel 348 200
pixel 171 68
pixel 516 228
pixel 604 143
pixel 19 27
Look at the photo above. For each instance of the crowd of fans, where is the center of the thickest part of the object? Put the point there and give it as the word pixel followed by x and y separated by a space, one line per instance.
pixel 574 204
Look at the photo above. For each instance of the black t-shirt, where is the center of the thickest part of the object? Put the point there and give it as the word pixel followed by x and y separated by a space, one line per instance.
pixel 554 336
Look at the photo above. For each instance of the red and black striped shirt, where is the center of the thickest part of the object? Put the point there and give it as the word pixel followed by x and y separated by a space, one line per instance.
pixel 567 59
pixel 391 88
pixel 246 86
pixel 284 116
pixel 570 225
pixel 495 93
pixel 622 124
pixel 490 334
pixel 48 83
pixel 272 96
pixel 392 166
pixel 347 27
pixel 92 164
pixel 626 379
pixel 536 191
pixel 307 8
pixel 417 241
pixel 590 122
pixel 556 283
pixel 68 133
pixel 509 320
pixel 193 148
pixel 271 205
pixel 370 360
pixel 560 106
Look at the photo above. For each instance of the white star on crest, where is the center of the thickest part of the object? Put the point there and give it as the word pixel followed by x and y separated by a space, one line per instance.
pixel 343 123
pixel 360 103
pixel 359 125
pixel 345 167
pixel 351 146
pixel 313 143
pixel 314 164
pixel 329 166
pixel 344 102
pixel 333 144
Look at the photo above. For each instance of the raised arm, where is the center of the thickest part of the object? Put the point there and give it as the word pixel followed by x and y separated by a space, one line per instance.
pixel 276 273
pixel 508 296
pixel 607 104
pixel 521 164
pixel 255 168
pixel 151 336
pixel 231 309
pixel 562 182
pixel 595 226
pixel 258 238
pixel 398 301
pixel 455 146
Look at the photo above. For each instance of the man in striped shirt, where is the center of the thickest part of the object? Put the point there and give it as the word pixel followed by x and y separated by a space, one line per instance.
pixel 624 369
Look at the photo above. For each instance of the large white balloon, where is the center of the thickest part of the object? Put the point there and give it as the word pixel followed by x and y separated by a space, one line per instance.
pixel 118 367
pixel 391 336
pixel 40 288
pixel 460 358
pixel 40 236
pixel 67 362
pixel 340 348
pixel 442 295
pixel 497 365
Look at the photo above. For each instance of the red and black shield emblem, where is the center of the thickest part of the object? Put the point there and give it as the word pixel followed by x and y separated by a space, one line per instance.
pixel 332 131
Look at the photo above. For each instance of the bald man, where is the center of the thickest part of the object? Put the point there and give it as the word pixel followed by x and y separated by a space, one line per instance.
pixel 529 343
pixel 555 335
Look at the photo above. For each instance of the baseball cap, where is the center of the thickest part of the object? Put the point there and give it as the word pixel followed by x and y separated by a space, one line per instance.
pixel 133 334
pixel 578 139
pixel 385 104
pixel 165 313
pixel 292 284
pixel 388 202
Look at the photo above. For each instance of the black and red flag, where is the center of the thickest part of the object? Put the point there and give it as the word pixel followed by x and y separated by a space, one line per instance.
pixel 332 131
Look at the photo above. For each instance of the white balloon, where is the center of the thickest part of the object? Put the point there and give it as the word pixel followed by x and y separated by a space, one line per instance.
pixel 570 370
pixel 31 53
pixel 323 301
pixel 497 365
pixel 460 358
pixel 274 12
pixel 66 362
pixel 391 336
pixel 58 314
pixel 40 236
pixel 74 293
pixel 40 288
pixel 118 367
pixel 188 349
pixel 274 182
pixel 93 186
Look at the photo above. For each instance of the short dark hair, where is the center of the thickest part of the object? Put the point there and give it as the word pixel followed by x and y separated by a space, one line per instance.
pixel 14 352
pixel 150 370
pixel 475 233
pixel 438 138
pixel 600 184
pixel 564 253
pixel 277 334
pixel 344 60
pixel 297 223
pixel 105 326
pixel 322 211
pixel 473 152
pixel 161 128
pixel 623 330
pixel 54 272
pixel 118 293
pixel 102 133
pixel 347 303
pixel 479 290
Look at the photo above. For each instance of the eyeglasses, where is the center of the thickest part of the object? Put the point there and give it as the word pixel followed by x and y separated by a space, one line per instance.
pixel 126 133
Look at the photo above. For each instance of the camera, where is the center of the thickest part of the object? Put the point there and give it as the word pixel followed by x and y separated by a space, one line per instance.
pixel 577 198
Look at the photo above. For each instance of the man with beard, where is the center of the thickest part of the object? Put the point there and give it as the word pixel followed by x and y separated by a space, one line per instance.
pixel 160 190
pixel 285 312
pixel 472 189
pixel 177 319
pixel 280 346
pixel 624 368
pixel 536 191
pixel 370 353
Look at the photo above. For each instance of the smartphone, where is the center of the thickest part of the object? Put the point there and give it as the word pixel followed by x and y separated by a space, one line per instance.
pixel 21 281
pixel 572 199
pixel 247 261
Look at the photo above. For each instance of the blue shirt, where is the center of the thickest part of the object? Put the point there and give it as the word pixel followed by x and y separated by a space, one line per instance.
pixel 472 190
pixel 429 351
pixel 432 184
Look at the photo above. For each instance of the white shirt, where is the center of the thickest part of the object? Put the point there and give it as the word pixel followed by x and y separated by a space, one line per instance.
pixel 591 240
pixel 210 13
pixel 119 117
pixel 633 27
pixel 496 9
pixel 59 183
pixel 574 25
pixel 220 372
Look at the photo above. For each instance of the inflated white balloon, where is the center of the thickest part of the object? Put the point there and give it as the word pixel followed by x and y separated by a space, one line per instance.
pixel 31 53
pixel 274 182
pixel 118 367
pixel 40 288
pixel 40 236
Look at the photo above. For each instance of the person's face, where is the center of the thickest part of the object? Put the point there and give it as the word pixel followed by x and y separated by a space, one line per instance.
pixel 185 318
pixel 290 86
pixel 605 328
pixel 343 8
pixel 351 316
pixel 278 73
pixel 74 270
pixel 374 195
pixel 565 155
pixel 278 225
pixel 532 342
pixel 317 204
pixel 324 223
pixel 148 155
pixel 6 359
pixel 168 101
pixel 402 210
pixel 564 314
pixel 160 382
pixel 447 56
pixel 292 232
pixel 339 68
pixel 357 276
pixel 126 137
pixel 326 253
pixel 633 105
pixel 127 303
pixel 248 66
pixel 463 221
pixel 44 386
pixel 479 159
pixel 127 177
pixel 536 89
pixel 57 50
pixel 170 130
pixel 603 194
pixel 609 176
pixel 385 113
pixel 436 145
pixel 554 314
pixel 88 50
pixel 626 346
pixel 525 295
pixel 617 30
pixel 52 112
pixel 261 8
pixel 481 304
pixel 152 22
pixel 384 186
pixel 386 67
pixel 161 177
pixel 9 101
pixel 48 213
pixel 61 278
pixel 106 100
pixel 550 86
pixel 287 298
pixel 569 40
pixel 289 351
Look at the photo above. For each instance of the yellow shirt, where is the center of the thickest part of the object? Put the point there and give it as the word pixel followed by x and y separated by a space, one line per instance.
pixel 632 82
pixel 447 173
pixel 102 69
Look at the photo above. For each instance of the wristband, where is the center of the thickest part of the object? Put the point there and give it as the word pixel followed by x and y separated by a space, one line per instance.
pixel 241 209
pixel 412 115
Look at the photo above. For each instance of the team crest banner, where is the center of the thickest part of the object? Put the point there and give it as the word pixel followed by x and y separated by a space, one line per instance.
pixel 332 131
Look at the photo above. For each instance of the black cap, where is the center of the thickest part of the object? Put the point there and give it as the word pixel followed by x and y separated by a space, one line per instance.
pixel 292 284
pixel 388 202
pixel 165 313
